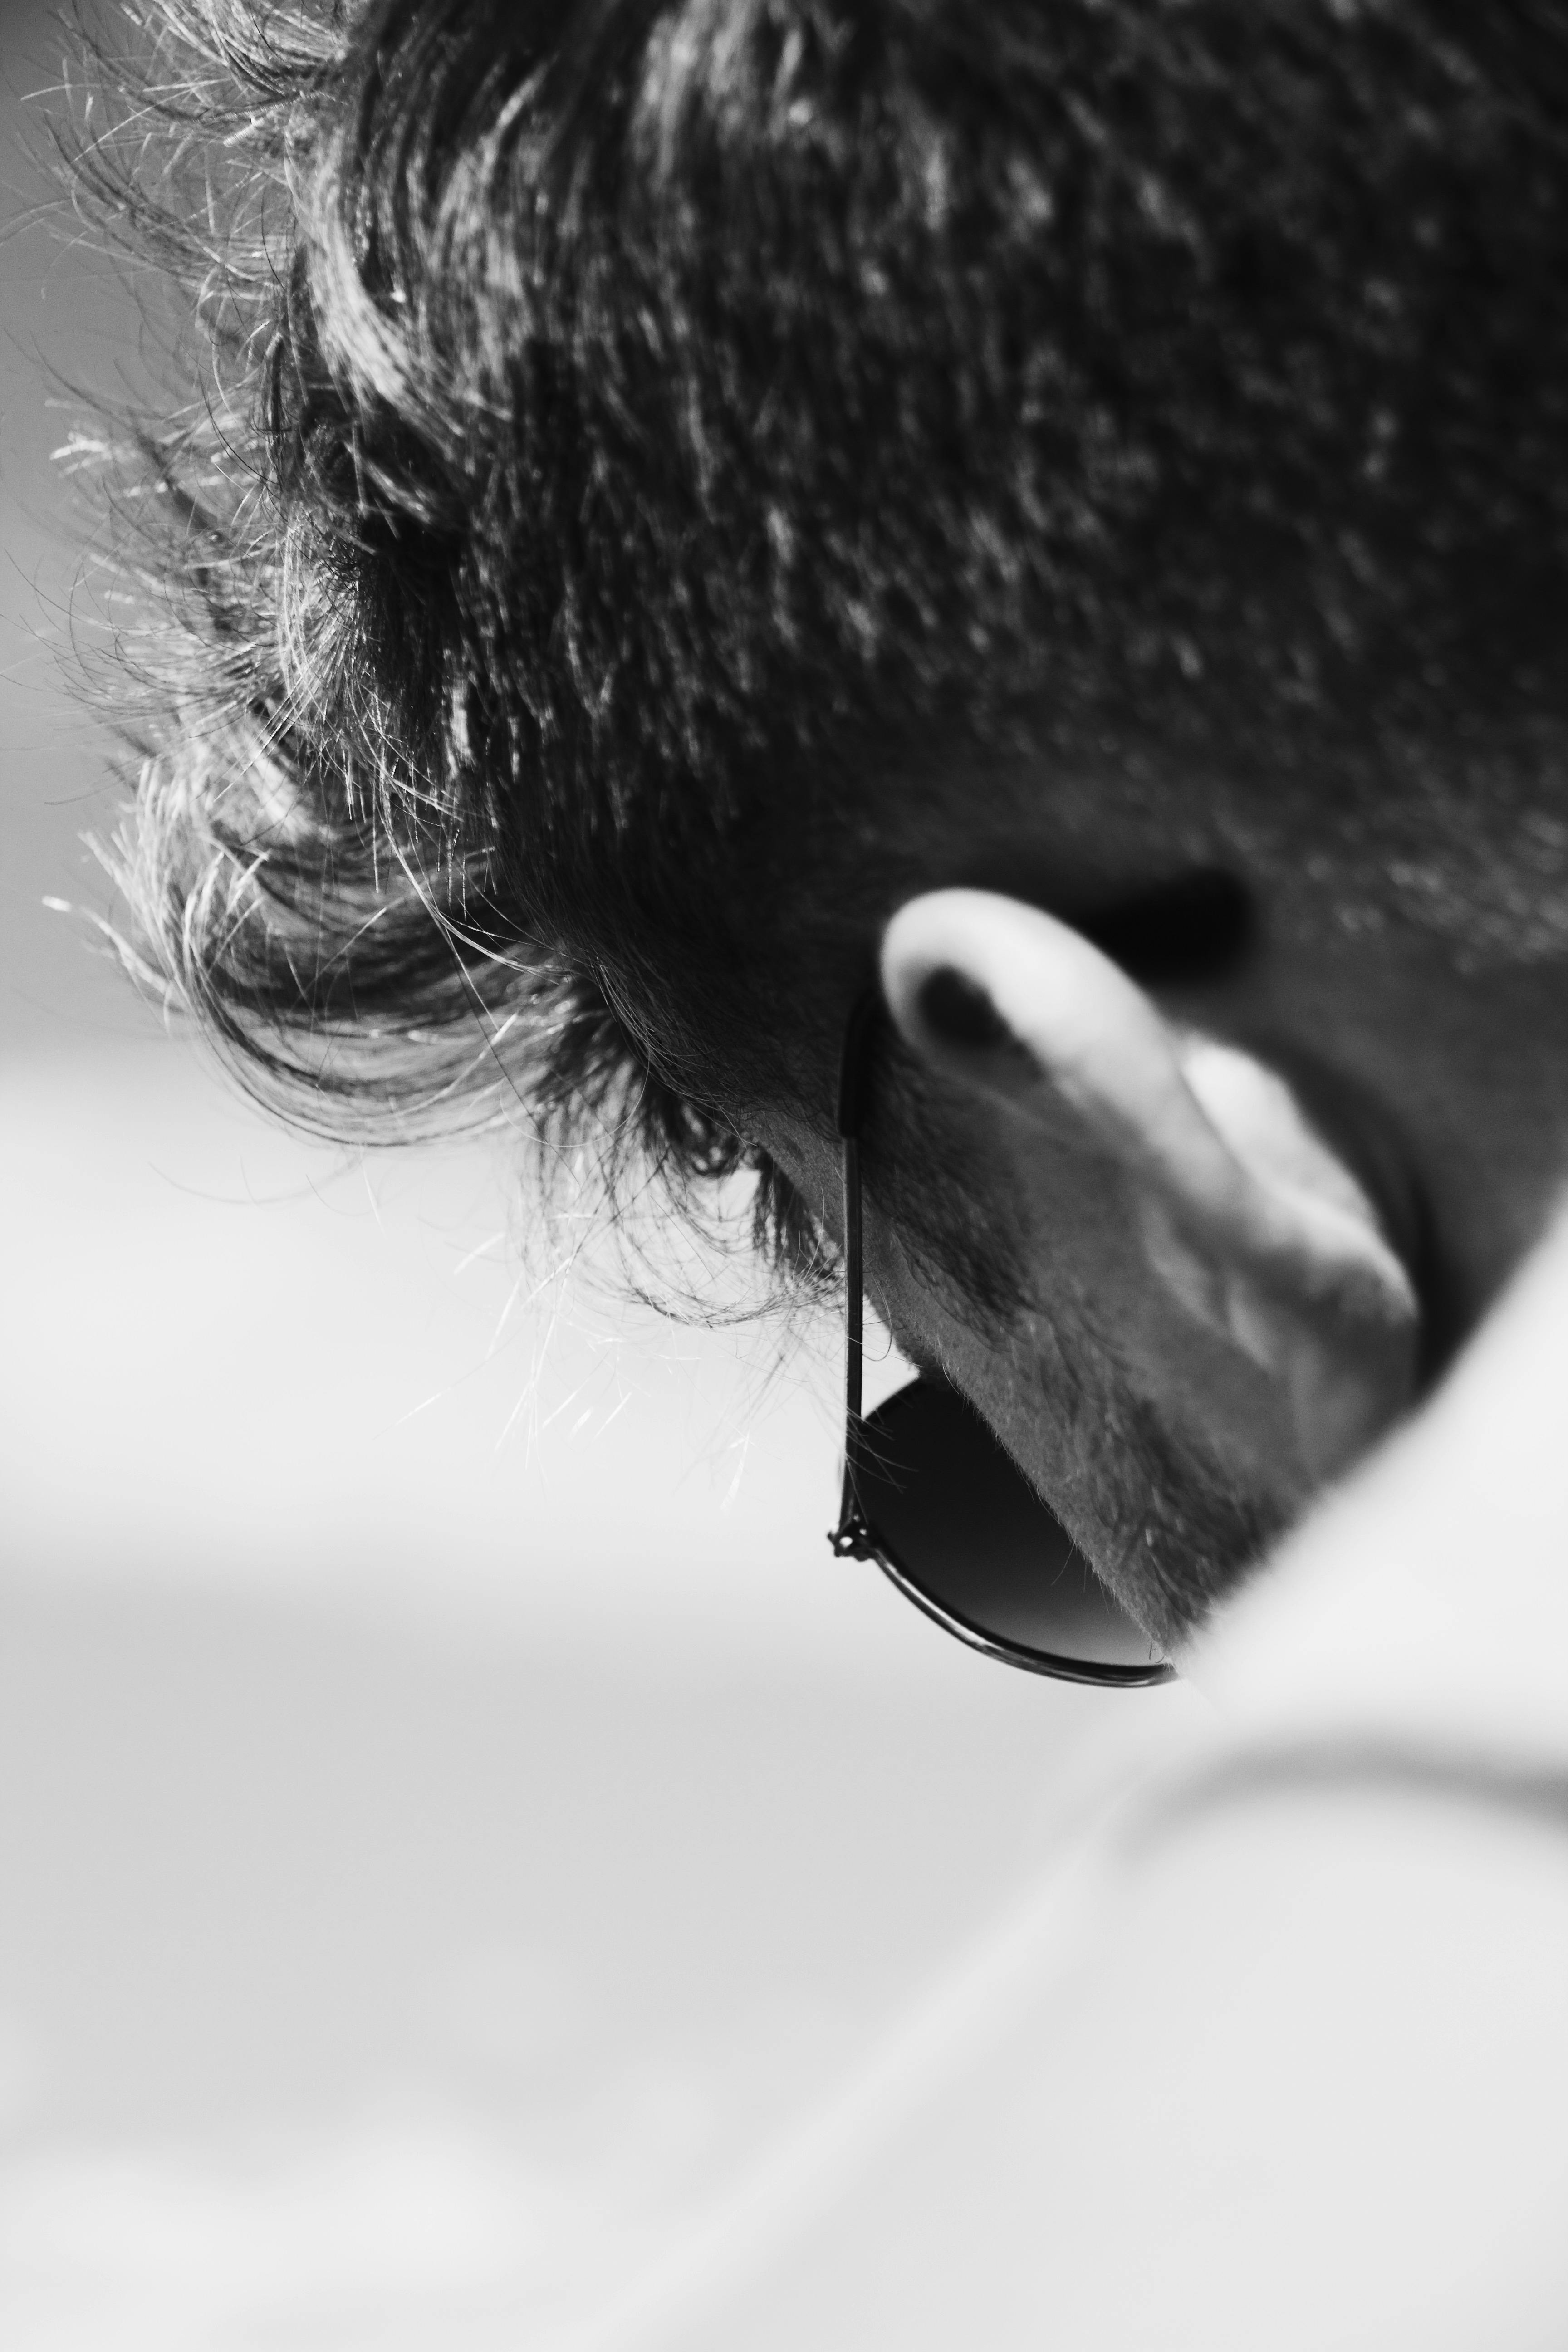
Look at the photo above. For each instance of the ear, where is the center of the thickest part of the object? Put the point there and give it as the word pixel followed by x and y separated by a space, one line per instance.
pixel 1229 1258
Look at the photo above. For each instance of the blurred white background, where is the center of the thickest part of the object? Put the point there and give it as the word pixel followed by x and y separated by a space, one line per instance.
pixel 454 1817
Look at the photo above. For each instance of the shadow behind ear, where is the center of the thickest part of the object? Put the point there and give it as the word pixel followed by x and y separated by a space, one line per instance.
pixel 1181 933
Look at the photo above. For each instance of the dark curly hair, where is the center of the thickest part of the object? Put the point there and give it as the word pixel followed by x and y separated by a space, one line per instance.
pixel 632 443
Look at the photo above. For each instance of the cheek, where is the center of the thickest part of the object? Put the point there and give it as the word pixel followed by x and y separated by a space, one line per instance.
pixel 1054 1410
pixel 1148 1516
pixel 1153 1514
pixel 999 1370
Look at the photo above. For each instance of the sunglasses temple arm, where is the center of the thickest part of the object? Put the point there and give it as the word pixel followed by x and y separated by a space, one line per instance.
pixel 849 1538
pixel 854 1280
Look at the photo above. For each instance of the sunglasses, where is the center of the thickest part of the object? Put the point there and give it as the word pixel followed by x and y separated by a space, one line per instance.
pixel 931 1498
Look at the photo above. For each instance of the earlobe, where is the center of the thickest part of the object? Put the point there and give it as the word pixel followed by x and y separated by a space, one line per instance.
pixel 1265 1295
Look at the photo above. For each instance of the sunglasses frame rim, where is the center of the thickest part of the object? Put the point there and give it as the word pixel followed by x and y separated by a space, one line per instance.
pixel 856 1537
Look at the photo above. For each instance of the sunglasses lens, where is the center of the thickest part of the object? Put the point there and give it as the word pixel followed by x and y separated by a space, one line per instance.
pixel 962 1527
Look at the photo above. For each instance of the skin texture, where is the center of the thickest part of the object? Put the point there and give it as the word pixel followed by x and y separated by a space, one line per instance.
pixel 682 424
pixel 1257 1214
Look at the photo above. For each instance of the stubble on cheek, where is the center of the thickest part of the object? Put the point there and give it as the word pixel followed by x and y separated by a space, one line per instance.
pixel 1164 1524
pixel 1173 1534
pixel 1161 1520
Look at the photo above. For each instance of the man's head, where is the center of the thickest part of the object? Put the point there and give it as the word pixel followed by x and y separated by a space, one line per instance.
pixel 1061 505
